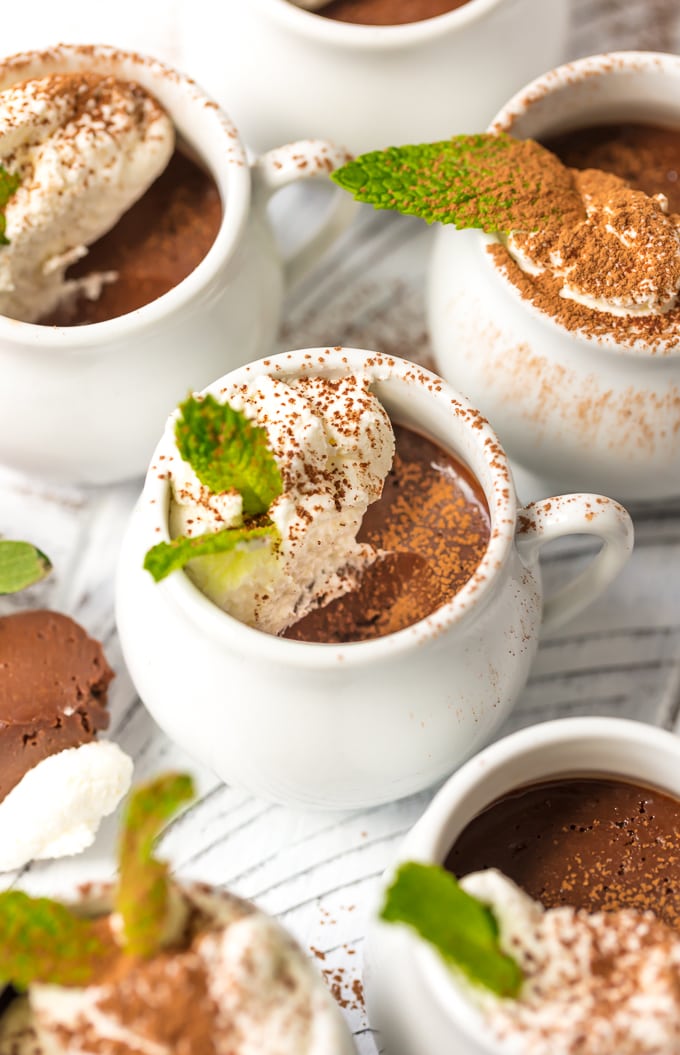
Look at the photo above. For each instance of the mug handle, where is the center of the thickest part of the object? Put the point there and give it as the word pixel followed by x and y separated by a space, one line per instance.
pixel 578 514
pixel 306 159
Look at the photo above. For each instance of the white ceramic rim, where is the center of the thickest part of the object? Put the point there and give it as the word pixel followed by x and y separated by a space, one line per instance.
pixel 611 63
pixel 181 592
pixel 354 35
pixel 449 995
pixel 233 182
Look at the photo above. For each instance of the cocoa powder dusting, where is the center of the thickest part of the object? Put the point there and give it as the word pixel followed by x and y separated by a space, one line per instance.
pixel 646 156
pixel 627 253
pixel 432 523
pixel 165 1000
pixel 616 992
pixel 107 102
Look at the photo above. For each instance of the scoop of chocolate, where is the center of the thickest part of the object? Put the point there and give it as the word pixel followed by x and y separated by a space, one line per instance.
pixel 53 684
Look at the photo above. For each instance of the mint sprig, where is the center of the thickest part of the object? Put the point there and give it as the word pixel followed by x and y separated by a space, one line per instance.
pixel 143 898
pixel 462 930
pixel 43 941
pixel 227 452
pixel 21 565
pixel 8 185
pixel 166 557
pixel 493 182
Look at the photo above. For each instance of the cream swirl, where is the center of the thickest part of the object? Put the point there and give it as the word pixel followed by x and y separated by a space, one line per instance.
pixel 334 444
pixel 85 148
pixel 235 983
pixel 594 983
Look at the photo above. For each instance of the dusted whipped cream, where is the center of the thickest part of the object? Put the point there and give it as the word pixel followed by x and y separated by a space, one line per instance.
pixel 623 258
pixel 85 148
pixel 333 442
pixel 240 986
pixel 595 984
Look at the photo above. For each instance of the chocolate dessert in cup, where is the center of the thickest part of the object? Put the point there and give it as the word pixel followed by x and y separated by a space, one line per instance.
pixel 373 85
pixel 599 981
pixel 149 964
pixel 85 402
pixel 580 396
pixel 359 721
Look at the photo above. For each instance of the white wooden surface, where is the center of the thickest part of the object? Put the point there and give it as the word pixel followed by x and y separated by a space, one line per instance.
pixel 315 871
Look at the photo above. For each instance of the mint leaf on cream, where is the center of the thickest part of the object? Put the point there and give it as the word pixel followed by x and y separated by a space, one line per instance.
pixel 166 557
pixel 43 941
pixel 493 182
pixel 228 453
pixel 462 930
pixel 143 897
pixel 8 185
pixel 21 565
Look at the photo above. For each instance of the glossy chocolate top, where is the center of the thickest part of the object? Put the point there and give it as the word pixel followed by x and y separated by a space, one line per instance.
pixel 591 843
pixel 386 12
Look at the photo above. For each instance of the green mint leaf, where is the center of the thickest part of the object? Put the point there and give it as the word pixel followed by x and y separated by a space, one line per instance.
pixel 43 941
pixel 143 896
pixel 228 453
pixel 8 185
pixel 462 929
pixel 21 565
pixel 166 557
pixel 494 182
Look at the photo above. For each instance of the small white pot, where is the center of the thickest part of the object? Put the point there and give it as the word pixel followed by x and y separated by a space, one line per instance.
pixel 286 72
pixel 573 412
pixel 342 726
pixel 86 403
pixel 412 996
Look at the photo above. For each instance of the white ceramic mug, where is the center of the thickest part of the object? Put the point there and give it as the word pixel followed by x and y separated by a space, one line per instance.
pixel 282 69
pixel 573 412
pixel 412 997
pixel 342 726
pixel 86 403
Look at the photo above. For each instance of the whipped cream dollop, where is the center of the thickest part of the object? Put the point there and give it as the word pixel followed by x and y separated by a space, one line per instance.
pixel 602 983
pixel 56 808
pixel 239 986
pixel 334 444
pixel 85 147
pixel 623 258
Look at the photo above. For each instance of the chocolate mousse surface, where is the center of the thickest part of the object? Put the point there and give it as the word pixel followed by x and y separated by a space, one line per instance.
pixel 387 12
pixel 53 685
pixel 648 156
pixel 433 522
pixel 597 844
pixel 152 248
